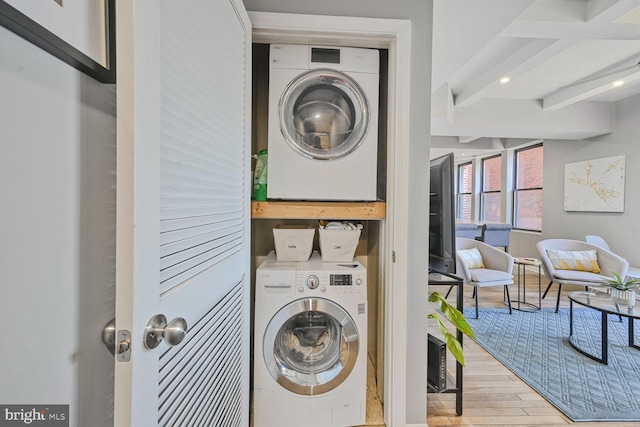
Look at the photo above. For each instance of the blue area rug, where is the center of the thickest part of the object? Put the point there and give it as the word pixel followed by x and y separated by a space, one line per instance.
pixel 535 347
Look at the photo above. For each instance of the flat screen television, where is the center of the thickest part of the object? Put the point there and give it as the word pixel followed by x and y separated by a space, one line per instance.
pixel 442 222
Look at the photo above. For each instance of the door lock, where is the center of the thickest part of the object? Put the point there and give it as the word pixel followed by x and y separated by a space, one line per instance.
pixel 123 348
pixel 120 347
pixel 158 329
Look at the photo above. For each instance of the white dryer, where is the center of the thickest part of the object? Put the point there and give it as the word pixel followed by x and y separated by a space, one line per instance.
pixel 310 345
pixel 323 123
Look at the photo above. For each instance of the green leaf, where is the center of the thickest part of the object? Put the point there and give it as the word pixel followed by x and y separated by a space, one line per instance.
pixel 450 340
pixel 453 314
pixel 455 348
pixel 619 282
pixel 457 319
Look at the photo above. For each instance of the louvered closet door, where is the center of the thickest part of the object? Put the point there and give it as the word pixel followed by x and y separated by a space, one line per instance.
pixel 183 94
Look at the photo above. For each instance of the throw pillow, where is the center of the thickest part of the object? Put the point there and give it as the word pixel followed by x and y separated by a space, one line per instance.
pixel 471 257
pixel 575 260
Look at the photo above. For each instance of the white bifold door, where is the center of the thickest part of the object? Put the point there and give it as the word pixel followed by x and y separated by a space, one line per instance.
pixel 183 238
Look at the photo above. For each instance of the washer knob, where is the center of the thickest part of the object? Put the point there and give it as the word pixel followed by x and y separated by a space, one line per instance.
pixel 312 281
pixel 358 281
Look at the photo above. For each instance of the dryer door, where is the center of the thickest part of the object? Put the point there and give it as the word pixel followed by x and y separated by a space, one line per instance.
pixel 311 346
pixel 324 114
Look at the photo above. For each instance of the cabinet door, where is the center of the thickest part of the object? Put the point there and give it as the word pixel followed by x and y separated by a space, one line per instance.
pixel 183 238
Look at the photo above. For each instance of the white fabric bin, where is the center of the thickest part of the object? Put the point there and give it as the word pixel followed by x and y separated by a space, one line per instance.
pixel 338 245
pixel 293 242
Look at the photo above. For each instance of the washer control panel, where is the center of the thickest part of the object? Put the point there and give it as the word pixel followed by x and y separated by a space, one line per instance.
pixel 331 282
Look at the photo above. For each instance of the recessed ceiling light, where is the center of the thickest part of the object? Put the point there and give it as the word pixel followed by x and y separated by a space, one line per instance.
pixel 618 83
pixel 505 80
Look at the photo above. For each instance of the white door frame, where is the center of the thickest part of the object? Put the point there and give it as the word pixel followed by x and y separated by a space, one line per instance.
pixel 394 35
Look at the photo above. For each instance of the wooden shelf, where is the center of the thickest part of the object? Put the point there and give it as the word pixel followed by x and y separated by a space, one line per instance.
pixel 319 210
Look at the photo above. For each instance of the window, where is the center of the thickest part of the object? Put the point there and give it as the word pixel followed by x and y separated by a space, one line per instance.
pixel 491 198
pixel 465 188
pixel 527 194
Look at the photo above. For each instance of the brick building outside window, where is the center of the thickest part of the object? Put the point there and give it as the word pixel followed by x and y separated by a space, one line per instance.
pixel 465 192
pixel 527 194
pixel 491 196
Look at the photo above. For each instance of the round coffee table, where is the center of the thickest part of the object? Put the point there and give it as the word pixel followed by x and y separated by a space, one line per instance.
pixel 604 304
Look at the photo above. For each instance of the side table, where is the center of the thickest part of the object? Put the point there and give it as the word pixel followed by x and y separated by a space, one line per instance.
pixel 521 303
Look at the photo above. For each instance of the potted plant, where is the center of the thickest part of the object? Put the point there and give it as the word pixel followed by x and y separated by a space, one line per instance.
pixel 622 289
pixel 457 319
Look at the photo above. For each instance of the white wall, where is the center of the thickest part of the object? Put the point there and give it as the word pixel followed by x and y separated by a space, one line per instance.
pixel 420 14
pixel 620 230
pixel 57 246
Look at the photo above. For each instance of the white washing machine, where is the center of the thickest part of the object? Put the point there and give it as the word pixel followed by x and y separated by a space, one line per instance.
pixel 323 123
pixel 310 345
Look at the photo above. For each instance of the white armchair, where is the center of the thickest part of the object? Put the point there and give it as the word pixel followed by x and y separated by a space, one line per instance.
pixel 607 262
pixel 497 270
pixel 599 241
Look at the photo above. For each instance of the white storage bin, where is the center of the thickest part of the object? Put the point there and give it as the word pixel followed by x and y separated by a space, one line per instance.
pixel 293 242
pixel 338 245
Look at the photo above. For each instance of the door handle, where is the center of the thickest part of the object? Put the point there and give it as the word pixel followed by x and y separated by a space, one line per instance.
pixel 109 336
pixel 158 330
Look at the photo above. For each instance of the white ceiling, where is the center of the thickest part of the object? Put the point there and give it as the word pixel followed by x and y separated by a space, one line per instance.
pixel 561 57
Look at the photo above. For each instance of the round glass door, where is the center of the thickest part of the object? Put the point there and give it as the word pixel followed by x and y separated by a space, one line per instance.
pixel 311 346
pixel 324 114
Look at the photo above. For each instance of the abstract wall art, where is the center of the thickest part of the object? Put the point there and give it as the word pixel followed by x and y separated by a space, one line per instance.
pixel 595 185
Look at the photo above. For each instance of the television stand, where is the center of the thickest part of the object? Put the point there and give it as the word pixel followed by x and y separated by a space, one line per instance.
pixel 446 279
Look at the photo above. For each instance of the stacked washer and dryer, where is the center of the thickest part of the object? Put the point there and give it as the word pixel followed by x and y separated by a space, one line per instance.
pixel 310 346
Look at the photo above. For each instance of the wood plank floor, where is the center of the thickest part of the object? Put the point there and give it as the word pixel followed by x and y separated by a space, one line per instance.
pixel 493 395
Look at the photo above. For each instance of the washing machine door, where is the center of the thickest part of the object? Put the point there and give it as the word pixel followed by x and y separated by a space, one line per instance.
pixel 324 114
pixel 311 346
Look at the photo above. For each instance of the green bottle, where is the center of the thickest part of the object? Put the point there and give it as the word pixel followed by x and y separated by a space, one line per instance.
pixel 260 176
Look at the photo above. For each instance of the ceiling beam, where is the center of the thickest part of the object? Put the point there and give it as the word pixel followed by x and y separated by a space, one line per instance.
pixel 442 103
pixel 572 27
pixel 523 59
pixel 525 119
pixel 467 139
pixel 591 87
